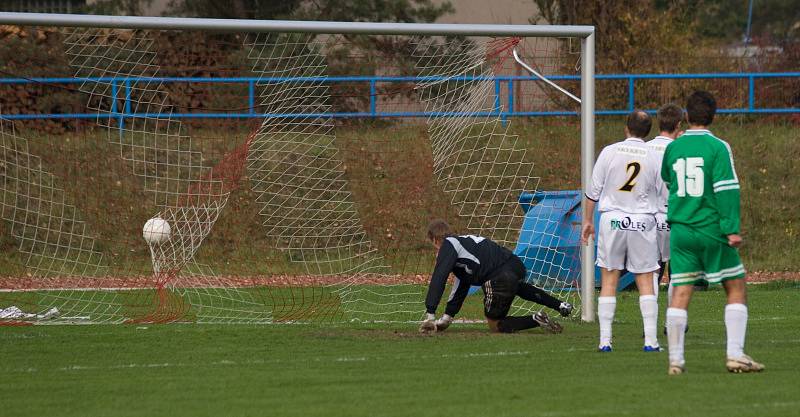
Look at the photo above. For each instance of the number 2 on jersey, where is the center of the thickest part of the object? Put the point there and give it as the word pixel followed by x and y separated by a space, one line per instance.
pixel 628 186
pixel 690 176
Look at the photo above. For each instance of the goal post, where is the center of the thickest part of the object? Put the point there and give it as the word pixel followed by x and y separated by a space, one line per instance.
pixel 587 163
pixel 282 168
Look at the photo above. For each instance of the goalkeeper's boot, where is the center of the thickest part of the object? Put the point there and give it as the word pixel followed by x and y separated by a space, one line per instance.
pixel 565 309
pixel 676 368
pixel 743 363
pixel 545 323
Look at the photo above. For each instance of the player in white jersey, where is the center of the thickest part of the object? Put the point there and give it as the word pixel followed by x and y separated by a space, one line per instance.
pixel 669 126
pixel 623 189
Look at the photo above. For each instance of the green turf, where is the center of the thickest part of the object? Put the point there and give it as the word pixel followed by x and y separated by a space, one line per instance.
pixel 370 370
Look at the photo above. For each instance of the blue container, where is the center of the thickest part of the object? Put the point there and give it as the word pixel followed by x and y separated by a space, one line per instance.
pixel 549 242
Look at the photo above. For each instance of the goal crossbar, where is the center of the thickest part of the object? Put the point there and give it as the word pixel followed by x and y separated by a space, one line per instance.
pixel 182 23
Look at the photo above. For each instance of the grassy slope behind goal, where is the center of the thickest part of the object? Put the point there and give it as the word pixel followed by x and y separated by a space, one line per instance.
pixel 389 173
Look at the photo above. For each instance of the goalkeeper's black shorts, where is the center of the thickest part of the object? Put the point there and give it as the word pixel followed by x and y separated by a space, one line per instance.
pixel 501 288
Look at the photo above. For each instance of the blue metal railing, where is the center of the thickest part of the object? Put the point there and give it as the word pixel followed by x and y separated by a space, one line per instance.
pixel 127 84
pixel 751 90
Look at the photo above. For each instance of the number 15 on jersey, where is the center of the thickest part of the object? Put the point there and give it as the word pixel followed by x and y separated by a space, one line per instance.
pixel 690 176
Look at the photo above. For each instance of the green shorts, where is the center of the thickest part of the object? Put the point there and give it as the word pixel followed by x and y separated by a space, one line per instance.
pixel 697 254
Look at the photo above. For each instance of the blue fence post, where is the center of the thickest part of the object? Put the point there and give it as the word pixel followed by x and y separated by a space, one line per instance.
pixel 510 110
pixel 251 97
pixel 373 103
pixel 127 107
pixel 114 110
pixel 498 110
pixel 631 96
pixel 751 93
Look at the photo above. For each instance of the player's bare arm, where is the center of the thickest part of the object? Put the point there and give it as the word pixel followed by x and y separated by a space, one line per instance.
pixel 588 230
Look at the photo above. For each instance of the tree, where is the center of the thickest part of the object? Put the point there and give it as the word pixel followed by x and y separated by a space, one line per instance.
pixel 119 7
pixel 404 11
pixel 358 55
pixel 726 20
pixel 777 19
pixel 716 20
pixel 353 10
pixel 234 9
pixel 642 36
pixel 631 35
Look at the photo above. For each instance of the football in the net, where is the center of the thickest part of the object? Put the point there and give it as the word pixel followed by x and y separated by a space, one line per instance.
pixel 156 230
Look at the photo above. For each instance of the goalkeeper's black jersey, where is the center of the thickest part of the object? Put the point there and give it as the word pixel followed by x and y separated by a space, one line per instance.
pixel 472 259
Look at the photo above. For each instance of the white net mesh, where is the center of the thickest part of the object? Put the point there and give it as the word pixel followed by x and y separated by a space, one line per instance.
pixel 477 161
pixel 188 195
pixel 297 217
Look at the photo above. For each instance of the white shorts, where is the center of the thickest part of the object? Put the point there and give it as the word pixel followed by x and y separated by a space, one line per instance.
pixel 662 236
pixel 627 241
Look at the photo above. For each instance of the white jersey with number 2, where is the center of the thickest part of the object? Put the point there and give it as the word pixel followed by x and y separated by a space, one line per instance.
pixel 625 178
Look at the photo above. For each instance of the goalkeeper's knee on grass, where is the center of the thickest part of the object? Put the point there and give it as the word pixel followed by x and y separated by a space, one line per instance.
pixel 515 323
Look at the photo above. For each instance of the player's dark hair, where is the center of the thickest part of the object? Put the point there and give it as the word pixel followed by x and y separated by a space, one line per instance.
pixel 438 229
pixel 669 116
pixel 639 124
pixel 700 108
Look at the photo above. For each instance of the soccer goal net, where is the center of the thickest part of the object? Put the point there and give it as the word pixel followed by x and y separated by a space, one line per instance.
pixel 282 171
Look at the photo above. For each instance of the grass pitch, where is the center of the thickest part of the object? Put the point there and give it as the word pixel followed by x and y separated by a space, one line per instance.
pixel 389 369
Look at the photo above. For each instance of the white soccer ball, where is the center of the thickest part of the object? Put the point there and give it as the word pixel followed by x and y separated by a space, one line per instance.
pixel 156 230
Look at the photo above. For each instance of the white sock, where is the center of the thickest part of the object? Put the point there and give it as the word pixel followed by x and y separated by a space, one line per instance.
pixel 736 325
pixel 606 307
pixel 648 304
pixel 676 326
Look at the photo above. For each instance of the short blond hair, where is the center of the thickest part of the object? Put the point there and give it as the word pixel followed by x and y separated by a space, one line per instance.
pixel 438 229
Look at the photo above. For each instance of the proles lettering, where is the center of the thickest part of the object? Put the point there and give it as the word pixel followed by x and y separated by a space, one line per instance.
pixel 626 223
pixel 662 226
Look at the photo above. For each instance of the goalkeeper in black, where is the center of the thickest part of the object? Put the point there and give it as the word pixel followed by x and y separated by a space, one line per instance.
pixel 475 260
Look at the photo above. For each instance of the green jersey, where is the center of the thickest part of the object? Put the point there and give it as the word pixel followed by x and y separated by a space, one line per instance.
pixel 703 187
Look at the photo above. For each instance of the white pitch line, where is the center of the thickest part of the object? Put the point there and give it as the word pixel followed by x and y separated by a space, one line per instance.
pixel 227 362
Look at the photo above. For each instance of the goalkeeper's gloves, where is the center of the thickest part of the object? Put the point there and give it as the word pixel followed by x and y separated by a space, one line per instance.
pixel 443 323
pixel 429 324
